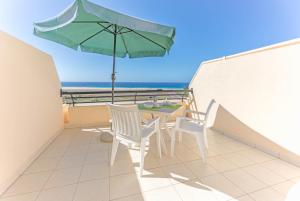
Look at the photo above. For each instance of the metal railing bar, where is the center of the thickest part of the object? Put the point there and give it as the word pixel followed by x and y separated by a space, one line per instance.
pixel 109 92
pixel 142 100
pixel 124 96
pixel 79 97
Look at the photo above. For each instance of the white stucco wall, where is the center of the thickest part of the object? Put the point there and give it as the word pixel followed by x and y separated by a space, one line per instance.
pixel 30 106
pixel 261 89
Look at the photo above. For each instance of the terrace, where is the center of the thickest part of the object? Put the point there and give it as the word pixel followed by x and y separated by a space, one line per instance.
pixel 75 166
pixel 250 157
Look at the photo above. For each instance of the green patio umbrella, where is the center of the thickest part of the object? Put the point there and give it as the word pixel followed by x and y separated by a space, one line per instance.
pixel 92 28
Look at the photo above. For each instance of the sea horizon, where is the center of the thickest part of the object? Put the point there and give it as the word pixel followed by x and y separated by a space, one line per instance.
pixel 151 85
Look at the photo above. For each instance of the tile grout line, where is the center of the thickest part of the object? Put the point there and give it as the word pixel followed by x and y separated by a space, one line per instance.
pixel 265 187
pixel 108 156
pixel 55 169
pixel 257 163
pixel 270 186
pixel 24 173
pixel 81 170
pixel 52 173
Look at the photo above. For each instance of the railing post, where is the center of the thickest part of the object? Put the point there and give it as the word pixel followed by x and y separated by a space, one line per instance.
pixel 194 101
pixel 72 100
pixel 135 97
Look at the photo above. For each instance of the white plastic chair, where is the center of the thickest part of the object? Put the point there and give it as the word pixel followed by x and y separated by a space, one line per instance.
pixel 194 126
pixel 127 125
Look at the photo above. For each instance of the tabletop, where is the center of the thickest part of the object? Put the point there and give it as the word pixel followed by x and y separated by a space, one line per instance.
pixel 162 108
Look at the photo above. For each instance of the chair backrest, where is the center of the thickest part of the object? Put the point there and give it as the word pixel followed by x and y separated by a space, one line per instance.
pixel 191 105
pixel 208 110
pixel 192 101
pixel 126 122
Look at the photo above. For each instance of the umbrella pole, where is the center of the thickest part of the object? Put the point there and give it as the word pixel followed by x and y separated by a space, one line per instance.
pixel 113 75
pixel 106 136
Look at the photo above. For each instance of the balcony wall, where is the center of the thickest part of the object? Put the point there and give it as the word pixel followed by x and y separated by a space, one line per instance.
pixel 31 108
pixel 98 115
pixel 86 116
pixel 258 93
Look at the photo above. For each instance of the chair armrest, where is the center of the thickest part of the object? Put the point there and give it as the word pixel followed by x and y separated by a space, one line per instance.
pixel 178 119
pixel 195 112
pixel 152 122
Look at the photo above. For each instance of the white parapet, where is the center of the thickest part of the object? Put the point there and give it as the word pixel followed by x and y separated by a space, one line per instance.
pixel 30 106
pixel 258 92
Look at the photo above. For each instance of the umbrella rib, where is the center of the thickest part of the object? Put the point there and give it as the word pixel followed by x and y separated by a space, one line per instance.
pixel 124 43
pixel 95 34
pixel 119 31
pixel 148 39
pixel 107 30
pixel 125 32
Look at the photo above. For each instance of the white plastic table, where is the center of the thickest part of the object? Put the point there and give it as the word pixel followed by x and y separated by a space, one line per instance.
pixel 164 112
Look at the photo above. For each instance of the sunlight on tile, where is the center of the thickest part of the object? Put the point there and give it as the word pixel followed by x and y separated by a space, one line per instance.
pixel 267 194
pixel 293 193
pixel 243 198
pixel 166 193
pixel 284 187
pixel 194 190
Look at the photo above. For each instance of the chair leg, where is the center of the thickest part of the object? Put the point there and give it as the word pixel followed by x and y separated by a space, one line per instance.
pixel 163 144
pixel 158 142
pixel 142 156
pixel 173 139
pixel 201 145
pixel 205 138
pixel 180 136
pixel 114 150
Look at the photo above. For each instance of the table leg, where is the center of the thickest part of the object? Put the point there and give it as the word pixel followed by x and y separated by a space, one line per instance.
pixel 164 120
pixel 163 144
pixel 164 123
pixel 162 139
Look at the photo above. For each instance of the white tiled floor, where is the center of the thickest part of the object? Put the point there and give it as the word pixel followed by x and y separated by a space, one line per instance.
pixel 75 167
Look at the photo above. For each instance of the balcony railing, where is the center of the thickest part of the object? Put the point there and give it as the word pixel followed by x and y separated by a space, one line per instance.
pixel 72 97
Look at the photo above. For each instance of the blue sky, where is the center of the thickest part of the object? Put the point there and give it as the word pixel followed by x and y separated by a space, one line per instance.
pixel 206 29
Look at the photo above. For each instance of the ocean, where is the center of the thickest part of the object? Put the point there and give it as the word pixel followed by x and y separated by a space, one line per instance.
pixel 151 85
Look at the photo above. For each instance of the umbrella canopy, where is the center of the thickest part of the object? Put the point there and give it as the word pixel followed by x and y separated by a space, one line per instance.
pixel 92 28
